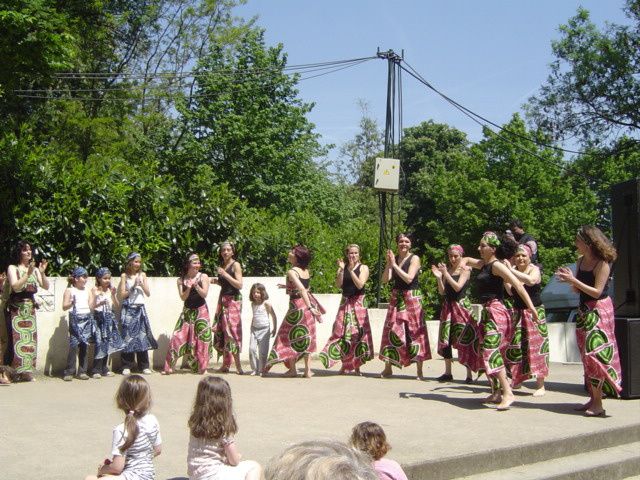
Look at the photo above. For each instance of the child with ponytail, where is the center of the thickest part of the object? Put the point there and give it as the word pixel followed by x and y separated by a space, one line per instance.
pixel 137 440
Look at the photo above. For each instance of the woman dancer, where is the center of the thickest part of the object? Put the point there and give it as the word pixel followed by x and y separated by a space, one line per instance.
pixel 595 323
pixel 136 329
pixel 192 334
pixel 455 315
pixel 22 332
pixel 108 339
pixel 528 353
pixel 296 336
pixel 351 341
pixel 495 325
pixel 404 337
pixel 227 323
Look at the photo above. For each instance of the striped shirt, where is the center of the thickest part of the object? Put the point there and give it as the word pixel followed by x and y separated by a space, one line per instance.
pixel 138 463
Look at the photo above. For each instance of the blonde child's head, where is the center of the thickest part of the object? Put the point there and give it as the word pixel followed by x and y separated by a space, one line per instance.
pixel 258 287
pixel 370 438
pixel 134 263
pixel 212 416
pixel 134 399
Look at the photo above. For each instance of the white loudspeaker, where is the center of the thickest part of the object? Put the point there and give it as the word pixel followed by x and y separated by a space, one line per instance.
pixel 387 176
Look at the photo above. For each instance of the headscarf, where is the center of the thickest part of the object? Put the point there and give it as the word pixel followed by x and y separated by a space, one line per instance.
pixel 491 239
pixel 456 248
pixel 526 249
pixel 132 256
pixel 79 272
pixel 102 271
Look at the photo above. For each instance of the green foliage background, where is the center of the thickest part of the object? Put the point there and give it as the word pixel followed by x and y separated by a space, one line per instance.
pixel 94 166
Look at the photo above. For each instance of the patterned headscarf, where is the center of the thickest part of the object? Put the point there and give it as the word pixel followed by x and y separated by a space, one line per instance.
pixel 102 271
pixel 132 256
pixel 456 248
pixel 491 239
pixel 526 249
pixel 79 272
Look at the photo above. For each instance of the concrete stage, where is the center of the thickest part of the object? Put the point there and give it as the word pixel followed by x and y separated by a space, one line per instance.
pixel 57 430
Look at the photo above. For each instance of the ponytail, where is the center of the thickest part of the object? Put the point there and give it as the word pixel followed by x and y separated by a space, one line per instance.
pixel 131 430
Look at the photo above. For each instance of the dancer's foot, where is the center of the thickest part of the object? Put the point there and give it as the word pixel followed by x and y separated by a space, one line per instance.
pixel 240 372
pixel 539 392
pixel 595 413
pixel 307 374
pixel 419 375
pixel 583 408
pixel 387 372
pixel 469 380
pixel 167 371
pixel 445 377
pixel 291 374
pixel 342 371
pixel 357 372
pixel 506 402
pixel 493 398
pixel 223 370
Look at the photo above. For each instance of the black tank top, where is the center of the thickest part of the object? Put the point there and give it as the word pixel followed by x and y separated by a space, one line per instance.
pixel 348 287
pixel 293 291
pixel 534 295
pixel 194 300
pixel 225 287
pixel 449 292
pixel 400 284
pixel 588 278
pixel 490 286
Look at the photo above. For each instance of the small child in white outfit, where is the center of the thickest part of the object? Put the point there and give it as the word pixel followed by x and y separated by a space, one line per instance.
pixel 259 343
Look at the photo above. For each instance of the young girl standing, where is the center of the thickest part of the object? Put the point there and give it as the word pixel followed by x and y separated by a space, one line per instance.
pixel 192 334
pixel 227 324
pixel 108 339
pixel 260 332
pixel 82 325
pixel 213 454
pixel 136 330
pixel 137 440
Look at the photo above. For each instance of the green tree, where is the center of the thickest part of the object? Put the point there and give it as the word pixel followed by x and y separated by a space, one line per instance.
pixel 593 90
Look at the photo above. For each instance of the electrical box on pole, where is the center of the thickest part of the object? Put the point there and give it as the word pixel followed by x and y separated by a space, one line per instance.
pixel 387 175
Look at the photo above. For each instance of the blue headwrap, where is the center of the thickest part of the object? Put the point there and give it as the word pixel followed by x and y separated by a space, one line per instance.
pixel 133 255
pixel 79 272
pixel 102 271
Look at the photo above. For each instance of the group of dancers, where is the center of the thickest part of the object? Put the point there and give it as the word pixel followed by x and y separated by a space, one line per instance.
pixel 508 342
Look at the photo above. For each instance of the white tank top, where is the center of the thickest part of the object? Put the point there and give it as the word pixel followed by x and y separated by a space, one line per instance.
pixel 136 295
pixel 101 297
pixel 81 303
pixel 260 317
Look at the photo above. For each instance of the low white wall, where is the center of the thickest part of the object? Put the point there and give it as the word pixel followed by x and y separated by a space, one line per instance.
pixel 164 307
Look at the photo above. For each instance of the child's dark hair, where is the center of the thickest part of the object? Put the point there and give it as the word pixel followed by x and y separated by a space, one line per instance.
pixel 134 399
pixel 370 438
pixel 17 250
pixel 233 251
pixel 261 289
pixel 212 416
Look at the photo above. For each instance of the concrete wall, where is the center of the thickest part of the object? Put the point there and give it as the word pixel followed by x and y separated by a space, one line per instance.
pixel 164 307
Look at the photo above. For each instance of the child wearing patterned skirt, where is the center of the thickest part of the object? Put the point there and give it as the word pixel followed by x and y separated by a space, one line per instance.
pixel 136 329
pixel 82 326
pixel 108 339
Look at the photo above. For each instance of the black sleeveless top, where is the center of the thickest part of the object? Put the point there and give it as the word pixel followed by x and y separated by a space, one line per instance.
pixel 400 284
pixel 450 294
pixel 490 286
pixel 293 291
pixel 588 278
pixel 225 287
pixel 348 287
pixel 534 294
pixel 194 300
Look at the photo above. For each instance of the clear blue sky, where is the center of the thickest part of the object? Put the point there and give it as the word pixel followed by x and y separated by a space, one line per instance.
pixel 489 55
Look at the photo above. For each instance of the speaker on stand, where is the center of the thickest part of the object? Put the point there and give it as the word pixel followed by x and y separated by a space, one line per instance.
pixel 625 207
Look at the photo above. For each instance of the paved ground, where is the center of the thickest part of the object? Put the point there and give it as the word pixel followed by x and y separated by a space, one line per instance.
pixel 56 430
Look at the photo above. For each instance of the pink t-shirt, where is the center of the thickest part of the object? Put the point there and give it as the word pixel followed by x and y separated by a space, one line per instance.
pixel 388 469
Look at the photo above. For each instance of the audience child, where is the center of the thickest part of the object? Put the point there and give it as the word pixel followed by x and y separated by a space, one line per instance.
pixel 137 440
pixel 370 438
pixel 212 453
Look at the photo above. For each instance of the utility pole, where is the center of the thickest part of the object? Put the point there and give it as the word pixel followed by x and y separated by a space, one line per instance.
pixel 394 98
